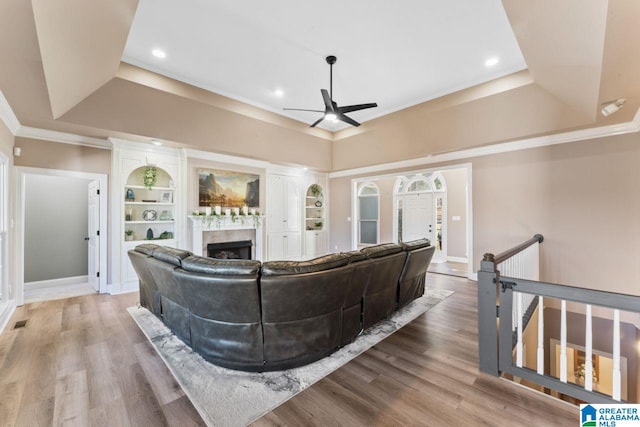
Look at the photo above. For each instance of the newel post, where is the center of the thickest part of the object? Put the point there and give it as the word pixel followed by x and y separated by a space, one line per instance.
pixel 487 316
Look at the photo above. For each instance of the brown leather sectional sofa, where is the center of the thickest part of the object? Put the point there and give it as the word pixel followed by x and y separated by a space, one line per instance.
pixel 276 315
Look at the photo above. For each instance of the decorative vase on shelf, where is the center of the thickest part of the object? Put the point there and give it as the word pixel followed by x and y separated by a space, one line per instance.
pixel 130 196
pixel 165 216
pixel 149 234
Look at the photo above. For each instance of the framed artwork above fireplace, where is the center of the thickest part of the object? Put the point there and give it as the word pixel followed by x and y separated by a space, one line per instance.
pixel 228 188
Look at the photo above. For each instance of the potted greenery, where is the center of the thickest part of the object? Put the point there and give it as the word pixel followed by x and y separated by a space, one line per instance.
pixel 316 190
pixel 128 235
pixel 149 177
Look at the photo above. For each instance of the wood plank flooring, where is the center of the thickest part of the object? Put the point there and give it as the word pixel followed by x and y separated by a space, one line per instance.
pixel 83 361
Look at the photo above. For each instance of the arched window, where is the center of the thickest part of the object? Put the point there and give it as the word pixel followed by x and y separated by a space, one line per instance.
pixel 417 184
pixel 368 214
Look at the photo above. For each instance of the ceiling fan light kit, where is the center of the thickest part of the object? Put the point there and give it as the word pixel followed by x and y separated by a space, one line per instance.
pixel 332 111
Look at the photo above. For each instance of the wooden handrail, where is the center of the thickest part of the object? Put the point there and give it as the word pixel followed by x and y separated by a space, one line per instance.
pixel 503 256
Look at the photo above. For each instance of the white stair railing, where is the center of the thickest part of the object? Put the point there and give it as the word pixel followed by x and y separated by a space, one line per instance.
pixel 513 276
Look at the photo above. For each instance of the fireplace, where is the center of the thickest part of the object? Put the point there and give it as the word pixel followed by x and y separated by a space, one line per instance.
pixel 240 249
pixel 202 234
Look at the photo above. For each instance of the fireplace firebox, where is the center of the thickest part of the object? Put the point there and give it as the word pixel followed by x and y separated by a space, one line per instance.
pixel 240 249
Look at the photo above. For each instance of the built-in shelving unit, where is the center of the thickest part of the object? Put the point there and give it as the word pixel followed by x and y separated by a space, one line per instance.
pixel 314 208
pixel 149 212
pixel 315 222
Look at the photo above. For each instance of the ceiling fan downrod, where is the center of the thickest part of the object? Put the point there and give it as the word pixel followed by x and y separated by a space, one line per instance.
pixel 331 60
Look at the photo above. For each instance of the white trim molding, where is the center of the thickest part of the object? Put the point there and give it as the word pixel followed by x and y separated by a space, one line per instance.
pixel 56 282
pixel 6 311
pixel 226 158
pixel 458 259
pixel 20 173
pixel 7 115
pixel 62 137
pixel 505 147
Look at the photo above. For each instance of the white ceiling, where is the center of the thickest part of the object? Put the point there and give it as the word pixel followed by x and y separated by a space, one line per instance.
pixel 397 54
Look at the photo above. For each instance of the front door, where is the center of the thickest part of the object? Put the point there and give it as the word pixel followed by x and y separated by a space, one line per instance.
pixel 417 217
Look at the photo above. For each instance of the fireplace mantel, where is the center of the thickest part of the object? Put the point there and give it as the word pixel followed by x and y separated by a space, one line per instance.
pixel 198 226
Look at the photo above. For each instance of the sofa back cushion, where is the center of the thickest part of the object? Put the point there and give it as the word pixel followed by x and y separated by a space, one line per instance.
pixel 146 248
pixel 231 298
pixel 355 256
pixel 415 244
pixel 302 313
pixel 379 251
pixel 282 268
pixel 225 267
pixel 170 255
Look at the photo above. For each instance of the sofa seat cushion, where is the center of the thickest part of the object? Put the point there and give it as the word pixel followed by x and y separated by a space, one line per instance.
pixel 327 262
pixel 146 248
pixel 170 255
pixel 379 251
pixel 225 267
pixel 415 244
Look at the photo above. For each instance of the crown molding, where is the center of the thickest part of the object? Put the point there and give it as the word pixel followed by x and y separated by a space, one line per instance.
pixel 505 147
pixel 226 158
pixel 62 137
pixel 7 115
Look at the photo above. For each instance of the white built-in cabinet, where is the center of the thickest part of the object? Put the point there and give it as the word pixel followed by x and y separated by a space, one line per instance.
pixel 297 219
pixel 154 215
pixel 284 238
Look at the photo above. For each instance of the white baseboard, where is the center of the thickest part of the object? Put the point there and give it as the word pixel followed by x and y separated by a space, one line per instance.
pixel 123 288
pixel 56 282
pixel 474 277
pixel 457 259
pixel 6 311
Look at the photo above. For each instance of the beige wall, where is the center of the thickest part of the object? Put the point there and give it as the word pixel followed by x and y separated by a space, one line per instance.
pixel 141 110
pixel 52 155
pixel 582 196
pixel 456 182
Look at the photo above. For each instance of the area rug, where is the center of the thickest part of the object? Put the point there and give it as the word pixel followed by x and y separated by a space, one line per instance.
pixel 224 397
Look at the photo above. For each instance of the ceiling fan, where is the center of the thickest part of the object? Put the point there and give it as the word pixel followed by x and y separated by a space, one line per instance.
pixel 331 109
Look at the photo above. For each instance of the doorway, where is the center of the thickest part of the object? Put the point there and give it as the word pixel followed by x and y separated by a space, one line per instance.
pixel 60 257
pixel 428 203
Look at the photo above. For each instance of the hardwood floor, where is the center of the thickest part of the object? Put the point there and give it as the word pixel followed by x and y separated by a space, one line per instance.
pixel 83 361
pixel 450 268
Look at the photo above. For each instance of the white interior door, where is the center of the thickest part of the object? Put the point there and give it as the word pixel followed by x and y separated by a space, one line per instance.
pixel 417 217
pixel 93 235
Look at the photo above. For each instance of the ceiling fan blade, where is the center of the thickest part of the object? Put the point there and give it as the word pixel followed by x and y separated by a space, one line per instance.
pixel 350 108
pixel 328 103
pixel 349 120
pixel 301 109
pixel 317 122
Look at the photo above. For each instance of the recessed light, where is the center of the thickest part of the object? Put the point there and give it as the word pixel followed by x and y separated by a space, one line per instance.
pixel 159 53
pixel 491 62
pixel 278 93
pixel 156 142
